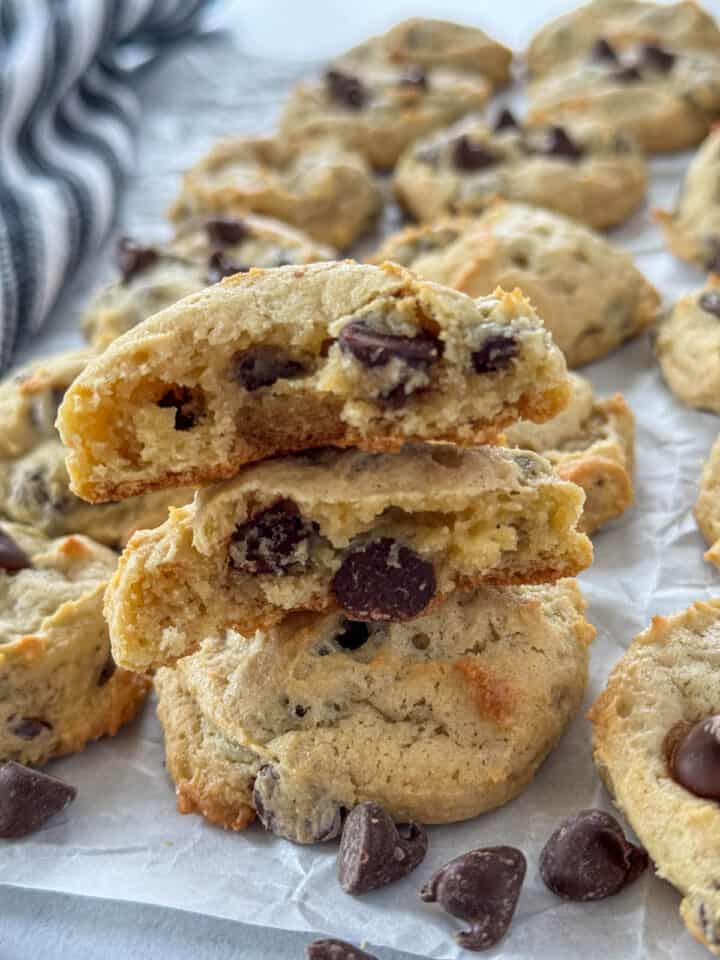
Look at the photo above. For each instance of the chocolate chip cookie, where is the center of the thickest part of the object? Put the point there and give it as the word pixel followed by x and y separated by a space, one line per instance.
pixel 331 353
pixel 707 507
pixel 586 170
pixel 382 537
pixel 317 185
pixel 437 720
pixel 590 443
pixel 656 742
pixel 59 687
pixel 153 277
pixel 590 294
pixel 692 230
pixel 34 484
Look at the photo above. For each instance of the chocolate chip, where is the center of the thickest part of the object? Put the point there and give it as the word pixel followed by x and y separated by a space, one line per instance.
pixel 132 258
pixel 346 88
pixel 558 143
pixel 482 887
pixel 495 354
pixel 27 728
pixel 221 266
pixel 187 406
pixel 331 949
pixel 628 74
pixel 384 580
pixel 414 77
pixel 375 349
pixel 467 155
pixel 309 818
pixel 273 541
pixel 506 121
pixel 374 851
pixel 28 798
pixel 12 556
pixel 589 858
pixel 710 302
pixel 225 232
pixel 300 710
pixel 262 366
pixel 603 50
pixel 695 761
pixel 658 58
pixel 107 672
pixel 354 636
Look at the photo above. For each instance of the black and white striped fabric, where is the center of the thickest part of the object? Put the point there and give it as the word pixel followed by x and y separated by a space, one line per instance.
pixel 68 111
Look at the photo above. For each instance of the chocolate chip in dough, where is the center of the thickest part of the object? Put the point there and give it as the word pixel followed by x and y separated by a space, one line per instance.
pixel 603 50
pixel 559 143
pixel 187 406
pixel 132 258
pixel 226 232
pixel 658 58
pixel 506 121
pixel 276 804
pixel 695 761
pixel 28 798
pixel 495 354
pixel 589 858
pixel 354 635
pixel 384 580
pixel 710 302
pixel 468 155
pixel 261 366
pixel 221 266
pixel 271 541
pixel 27 728
pixel 346 89
pixel 12 556
pixel 483 887
pixel 375 349
pixel 374 851
pixel 329 948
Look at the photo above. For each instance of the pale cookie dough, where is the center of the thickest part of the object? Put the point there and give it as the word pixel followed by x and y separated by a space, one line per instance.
pixel 591 443
pixel 587 171
pixel 332 353
pixel 317 185
pixel 683 25
pixel 692 230
pixel 688 348
pixel 438 720
pixel 34 483
pixel 382 536
pixel 59 687
pixel 707 507
pixel 153 277
pixel 668 680
pixel 589 293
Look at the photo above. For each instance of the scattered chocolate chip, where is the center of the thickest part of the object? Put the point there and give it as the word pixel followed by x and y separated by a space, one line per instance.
pixel 415 77
pixel 187 406
pixel 603 50
pixel 132 258
pixel 108 670
pixel 354 635
pixel 277 806
pixel 495 354
pixel 374 851
pixel 384 580
pixel 331 949
pixel 589 858
pixel 375 349
pixel 482 887
pixel 28 798
pixel 225 232
pixel 12 556
pixel 273 541
pixel 467 155
pixel 220 266
pixel 346 88
pixel 558 143
pixel 628 74
pixel 695 761
pixel 28 727
pixel 658 58
pixel 506 121
pixel 262 366
pixel 710 302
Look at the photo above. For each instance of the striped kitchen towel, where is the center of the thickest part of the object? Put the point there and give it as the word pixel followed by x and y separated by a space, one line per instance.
pixel 68 110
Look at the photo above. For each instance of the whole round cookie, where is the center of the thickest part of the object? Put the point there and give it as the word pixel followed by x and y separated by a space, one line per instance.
pixel 317 185
pixel 692 230
pixel 585 170
pixel 589 293
pixel 707 506
pixel 664 780
pixel 34 483
pixel 591 443
pixel 438 720
pixel 59 687
pixel 684 24
pixel 688 347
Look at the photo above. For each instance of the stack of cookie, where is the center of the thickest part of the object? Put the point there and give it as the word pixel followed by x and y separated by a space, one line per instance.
pixel 362 602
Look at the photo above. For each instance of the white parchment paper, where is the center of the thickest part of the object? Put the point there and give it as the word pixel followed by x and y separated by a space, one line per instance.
pixel 122 837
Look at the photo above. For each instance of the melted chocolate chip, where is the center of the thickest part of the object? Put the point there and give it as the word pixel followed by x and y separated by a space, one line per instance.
pixel 467 155
pixel 495 354
pixel 559 143
pixel 589 858
pixel 262 366
pixel 710 302
pixel 415 77
pixel 269 541
pixel 482 887
pixel 346 89
pixel 331 949
pixel 355 635
pixel 628 74
pixel 383 580
pixel 375 349
pixel 374 851
pixel 12 556
pixel 225 232
pixel 221 266
pixel 603 50
pixel 695 761
pixel 107 672
pixel 658 58
pixel 28 798
pixel 187 407
pixel 27 728
pixel 506 121
pixel 132 258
